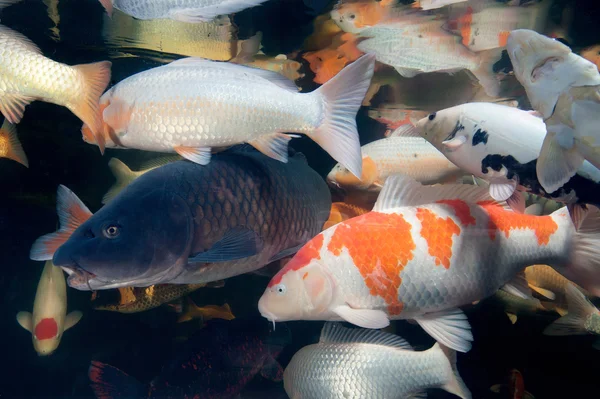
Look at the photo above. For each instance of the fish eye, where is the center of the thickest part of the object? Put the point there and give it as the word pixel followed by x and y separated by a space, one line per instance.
pixel 280 289
pixel 431 116
pixel 352 16
pixel 111 231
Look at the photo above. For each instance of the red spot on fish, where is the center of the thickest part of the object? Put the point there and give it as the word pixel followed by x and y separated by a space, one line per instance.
pixel 380 246
pixel 305 276
pixel 46 329
pixel 506 221
pixel 438 233
pixel 465 26
pixel 307 253
pixel 462 210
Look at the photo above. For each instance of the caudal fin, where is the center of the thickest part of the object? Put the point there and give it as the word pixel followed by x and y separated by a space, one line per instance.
pixel 343 96
pixel 485 72
pixel 12 148
pixel 71 214
pixel 584 267
pixel 123 176
pixel 95 78
pixel 456 385
pixel 109 382
pixel 579 311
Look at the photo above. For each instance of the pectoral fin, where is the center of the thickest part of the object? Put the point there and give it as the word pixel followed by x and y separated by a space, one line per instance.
pixel 25 320
pixel 455 143
pixel 450 328
pixel 272 370
pixel 366 318
pixel 238 243
pixel 72 319
pixel 200 155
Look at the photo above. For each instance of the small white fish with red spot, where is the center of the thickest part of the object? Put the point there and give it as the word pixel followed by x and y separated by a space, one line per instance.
pixel 423 252
pixel 49 319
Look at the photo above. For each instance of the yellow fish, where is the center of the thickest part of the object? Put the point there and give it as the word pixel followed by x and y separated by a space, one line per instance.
pixel 205 313
pixel 10 147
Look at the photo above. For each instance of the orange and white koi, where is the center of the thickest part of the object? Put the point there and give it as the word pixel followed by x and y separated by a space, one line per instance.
pixel 421 253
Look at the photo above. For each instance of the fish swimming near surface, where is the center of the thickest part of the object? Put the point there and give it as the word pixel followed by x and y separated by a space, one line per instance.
pixel 10 146
pixel 140 299
pixel 184 223
pixel 409 259
pixel 582 317
pixel 215 363
pixel 49 319
pixel 192 105
pixel 358 363
pixel 76 87
pixel 405 152
pixel 565 89
pixel 501 144
pixel 192 11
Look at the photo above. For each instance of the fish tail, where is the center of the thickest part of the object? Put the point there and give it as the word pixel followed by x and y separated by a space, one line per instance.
pixel 584 249
pixel 343 96
pixel 14 150
pixel 456 385
pixel 95 78
pixel 123 176
pixel 109 382
pixel 71 214
pixel 579 311
pixel 485 72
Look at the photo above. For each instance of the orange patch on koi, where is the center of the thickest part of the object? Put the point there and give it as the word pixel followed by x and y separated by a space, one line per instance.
pixel 380 245
pixel 503 38
pixel 302 258
pixel 505 221
pixel 465 26
pixel 461 210
pixel 438 233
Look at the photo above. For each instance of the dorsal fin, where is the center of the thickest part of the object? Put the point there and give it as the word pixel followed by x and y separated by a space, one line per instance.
pixel 400 190
pixel 272 77
pixel 335 333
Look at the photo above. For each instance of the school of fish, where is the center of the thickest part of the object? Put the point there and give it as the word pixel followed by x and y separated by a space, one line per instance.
pixel 426 209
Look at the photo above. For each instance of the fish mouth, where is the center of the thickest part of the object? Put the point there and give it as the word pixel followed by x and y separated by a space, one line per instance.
pixel 79 278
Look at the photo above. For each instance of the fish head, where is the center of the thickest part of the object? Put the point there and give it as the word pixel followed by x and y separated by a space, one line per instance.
pixel 139 239
pixel 438 127
pixel 46 336
pixel 343 178
pixel 354 17
pixel 547 68
pixel 298 291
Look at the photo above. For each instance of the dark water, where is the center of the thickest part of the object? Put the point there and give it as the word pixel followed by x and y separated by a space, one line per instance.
pixel 139 344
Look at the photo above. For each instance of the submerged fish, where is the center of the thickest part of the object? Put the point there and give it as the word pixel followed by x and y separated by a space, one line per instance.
pixel 395 117
pixel 7 3
pixel 515 389
pixel 404 152
pixel 516 306
pixel 140 299
pixel 215 363
pixel 10 146
pixel 548 283
pixel 184 223
pixel 192 105
pixel 49 319
pixel 341 211
pixel 358 363
pixel 76 87
pixel 192 11
pixel 423 252
pixel 205 313
pixel 501 145
pixel 565 89
pixel 582 317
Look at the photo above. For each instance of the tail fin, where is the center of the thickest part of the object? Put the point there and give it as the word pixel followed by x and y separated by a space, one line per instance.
pixel 109 382
pixel 584 268
pixel 95 79
pixel 456 385
pixel 343 96
pixel 485 72
pixel 123 176
pixel 580 309
pixel 248 49
pixel 13 150
pixel 71 214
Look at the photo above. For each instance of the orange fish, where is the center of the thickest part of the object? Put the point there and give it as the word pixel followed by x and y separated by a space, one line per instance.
pixel 340 211
pixel 423 252
pixel 328 62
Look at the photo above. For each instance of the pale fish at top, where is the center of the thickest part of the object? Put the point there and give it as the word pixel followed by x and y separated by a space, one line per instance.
pixel 361 363
pixel 404 152
pixel 192 11
pixel 582 317
pixel 49 319
pixel 501 144
pixel 423 252
pixel 26 75
pixel 565 89
pixel 10 146
pixel 194 104
pixel 415 42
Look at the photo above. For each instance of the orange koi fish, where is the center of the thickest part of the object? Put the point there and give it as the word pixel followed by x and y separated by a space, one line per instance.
pixel 421 254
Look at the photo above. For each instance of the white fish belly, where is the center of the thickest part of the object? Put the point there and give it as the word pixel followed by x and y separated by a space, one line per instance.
pixel 361 371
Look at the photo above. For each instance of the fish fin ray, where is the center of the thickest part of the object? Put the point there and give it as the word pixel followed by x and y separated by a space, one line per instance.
pixel 237 243
pixel 456 385
pixel 333 332
pixel 366 318
pixel 109 382
pixel 285 253
pixel 584 268
pixel 543 292
pixel 502 190
pixel 72 319
pixel 199 155
pixel 25 320
pixel 518 286
pixel 516 202
pixel 556 164
pixel 123 177
pixel 454 143
pixel 273 145
pixel 451 328
pixel 15 149
pixel 12 106
pixel 579 310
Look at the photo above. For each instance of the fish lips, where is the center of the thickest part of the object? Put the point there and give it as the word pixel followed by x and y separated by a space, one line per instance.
pixel 79 278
